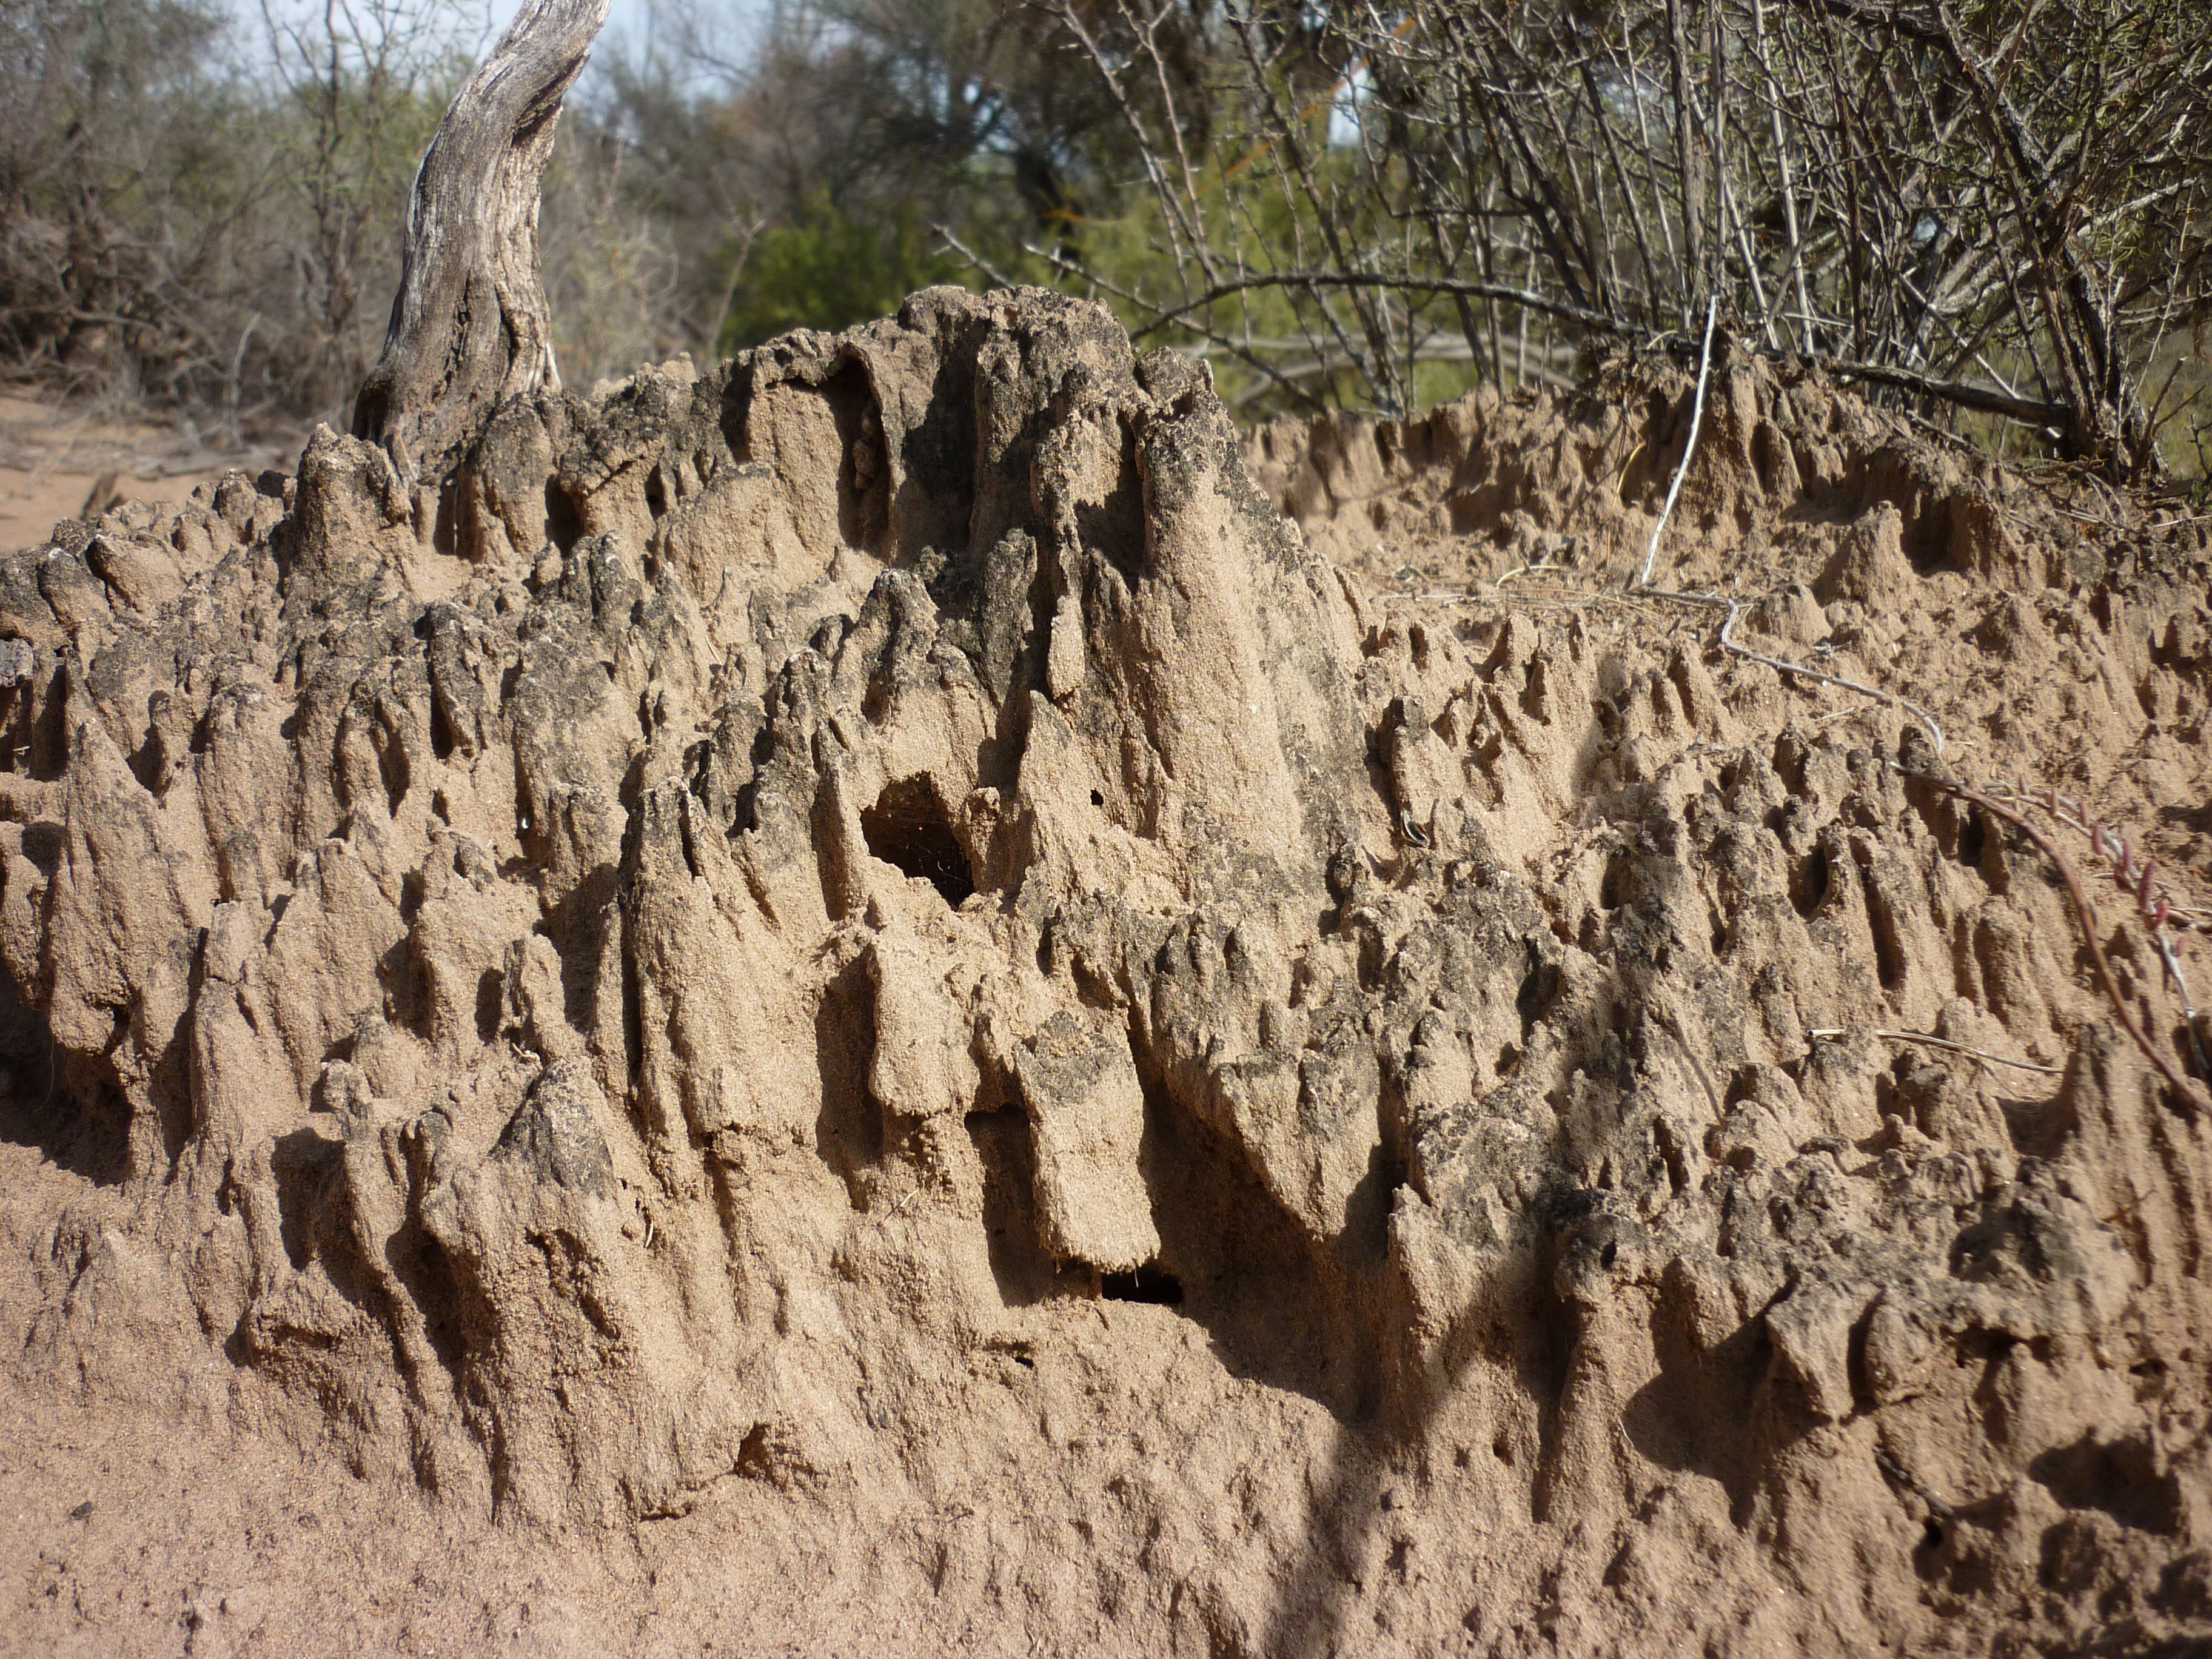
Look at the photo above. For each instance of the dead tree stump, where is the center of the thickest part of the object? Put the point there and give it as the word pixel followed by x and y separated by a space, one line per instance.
pixel 469 326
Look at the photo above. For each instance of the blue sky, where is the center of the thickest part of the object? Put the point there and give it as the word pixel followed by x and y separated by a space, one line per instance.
pixel 625 17
pixel 627 20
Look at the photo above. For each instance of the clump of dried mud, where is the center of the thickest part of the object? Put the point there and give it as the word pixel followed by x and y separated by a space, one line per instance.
pixel 866 1000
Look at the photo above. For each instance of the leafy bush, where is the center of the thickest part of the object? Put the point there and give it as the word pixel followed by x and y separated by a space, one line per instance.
pixel 829 268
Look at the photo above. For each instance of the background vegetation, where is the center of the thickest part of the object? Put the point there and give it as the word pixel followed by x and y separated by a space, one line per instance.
pixel 1997 213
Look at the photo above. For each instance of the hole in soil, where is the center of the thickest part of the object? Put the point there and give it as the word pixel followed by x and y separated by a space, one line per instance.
pixel 1145 1283
pixel 429 1276
pixel 1613 886
pixel 1973 840
pixel 443 740
pixel 1928 536
pixel 1809 890
pixel 1888 948
pixel 908 829
pixel 491 990
pixel 82 1127
pixel 564 523
pixel 1020 1264
pixel 848 1132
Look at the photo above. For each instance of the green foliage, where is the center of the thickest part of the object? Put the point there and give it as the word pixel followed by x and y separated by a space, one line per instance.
pixel 829 268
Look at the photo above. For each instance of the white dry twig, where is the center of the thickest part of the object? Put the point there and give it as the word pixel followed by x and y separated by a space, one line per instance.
pixel 1697 421
pixel 1927 1040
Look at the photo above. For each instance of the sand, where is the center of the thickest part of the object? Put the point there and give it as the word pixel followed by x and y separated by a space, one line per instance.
pixel 909 996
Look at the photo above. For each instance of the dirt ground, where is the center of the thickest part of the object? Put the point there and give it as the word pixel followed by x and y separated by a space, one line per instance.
pixel 52 456
pixel 909 997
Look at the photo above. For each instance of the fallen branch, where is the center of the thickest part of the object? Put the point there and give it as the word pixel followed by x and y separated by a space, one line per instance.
pixel 1601 322
pixel 1965 393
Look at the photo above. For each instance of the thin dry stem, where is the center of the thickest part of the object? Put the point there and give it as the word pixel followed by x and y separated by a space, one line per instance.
pixel 1697 421
pixel 1932 1042
pixel 2182 1085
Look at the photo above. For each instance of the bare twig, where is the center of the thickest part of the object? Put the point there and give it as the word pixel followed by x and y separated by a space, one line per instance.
pixel 1689 448
pixel 1926 719
pixel 1529 299
pixel 2190 1090
pixel 1928 1041
pixel 1734 608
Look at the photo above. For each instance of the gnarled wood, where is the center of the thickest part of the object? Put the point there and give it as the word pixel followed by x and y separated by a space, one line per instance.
pixel 470 327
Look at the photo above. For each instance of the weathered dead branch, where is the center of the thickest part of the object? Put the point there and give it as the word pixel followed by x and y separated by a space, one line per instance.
pixel 469 326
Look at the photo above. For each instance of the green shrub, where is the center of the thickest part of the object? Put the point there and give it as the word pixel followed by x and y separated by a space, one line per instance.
pixel 829 268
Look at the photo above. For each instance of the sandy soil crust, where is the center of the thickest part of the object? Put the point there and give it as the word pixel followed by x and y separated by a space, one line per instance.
pixel 910 995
